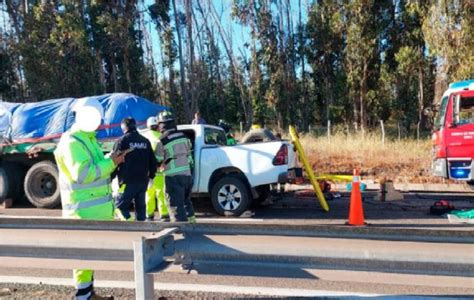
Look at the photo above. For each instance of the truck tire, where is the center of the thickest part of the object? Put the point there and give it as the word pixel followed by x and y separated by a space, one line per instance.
pixel 11 179
pixel 258 135
pixel 4 183
pixel 230 196
pixel 42 185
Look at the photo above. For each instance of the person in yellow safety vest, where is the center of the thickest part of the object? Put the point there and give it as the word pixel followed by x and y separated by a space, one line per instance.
pixel 156 188
pixel 175 157
pixel 84 178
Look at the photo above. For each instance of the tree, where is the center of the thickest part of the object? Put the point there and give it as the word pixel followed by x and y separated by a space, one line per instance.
pixel 448 29
pixel 9 81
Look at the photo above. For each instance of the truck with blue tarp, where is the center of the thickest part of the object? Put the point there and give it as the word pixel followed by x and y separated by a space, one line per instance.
pixel 29 133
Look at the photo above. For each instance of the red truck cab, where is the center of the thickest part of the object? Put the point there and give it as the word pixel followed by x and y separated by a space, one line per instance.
pixel 453 138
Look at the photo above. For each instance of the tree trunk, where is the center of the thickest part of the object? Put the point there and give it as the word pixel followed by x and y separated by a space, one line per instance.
pixel 363 94
pixel 114 73
pixel 306 112
pixel 420 100
pixel 127 69
pixel 102 81
pixel 184 94
pixel 248 112
pixel 191 75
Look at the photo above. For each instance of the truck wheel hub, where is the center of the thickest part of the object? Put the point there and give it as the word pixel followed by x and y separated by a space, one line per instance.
pixel 229 197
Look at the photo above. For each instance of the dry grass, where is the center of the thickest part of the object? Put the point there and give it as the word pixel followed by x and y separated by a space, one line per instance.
pixel 400 161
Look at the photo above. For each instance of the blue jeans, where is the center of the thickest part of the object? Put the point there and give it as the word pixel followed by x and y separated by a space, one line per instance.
pixel 133 193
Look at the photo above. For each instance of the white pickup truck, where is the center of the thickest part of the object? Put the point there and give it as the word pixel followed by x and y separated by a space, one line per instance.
pixel 234 176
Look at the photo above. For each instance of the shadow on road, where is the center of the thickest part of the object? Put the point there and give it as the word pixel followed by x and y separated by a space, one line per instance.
pixel 198 253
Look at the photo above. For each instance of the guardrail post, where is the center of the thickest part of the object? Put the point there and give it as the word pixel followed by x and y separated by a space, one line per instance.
pixel 148 255
pixel 144 287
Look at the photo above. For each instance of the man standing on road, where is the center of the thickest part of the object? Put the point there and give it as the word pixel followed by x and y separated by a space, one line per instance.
pixel 84 178
pixel 135 173
pixel 174 155
pixel 156 187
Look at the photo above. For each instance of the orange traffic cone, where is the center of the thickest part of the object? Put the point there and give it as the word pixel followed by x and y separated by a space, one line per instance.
pixel 356 211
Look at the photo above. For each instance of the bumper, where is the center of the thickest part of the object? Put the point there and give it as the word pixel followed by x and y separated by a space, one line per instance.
pixel 454 168
pixel 439 168
pixel 283 177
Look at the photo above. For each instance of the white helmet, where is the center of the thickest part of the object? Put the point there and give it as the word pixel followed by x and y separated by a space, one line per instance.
pixel 151 121
pixel 89 114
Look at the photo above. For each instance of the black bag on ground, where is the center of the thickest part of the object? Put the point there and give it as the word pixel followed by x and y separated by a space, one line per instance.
pixel 441 207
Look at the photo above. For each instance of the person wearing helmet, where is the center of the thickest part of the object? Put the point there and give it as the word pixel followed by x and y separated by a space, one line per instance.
pixel 84 177
pixel 156 188
pixel 174 155
pixel 228 134
pixel 135 173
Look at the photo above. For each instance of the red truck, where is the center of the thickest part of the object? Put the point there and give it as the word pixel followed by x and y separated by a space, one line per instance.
pixel 453 136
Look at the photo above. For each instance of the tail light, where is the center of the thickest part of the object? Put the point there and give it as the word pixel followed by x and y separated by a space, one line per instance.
pixel 281 158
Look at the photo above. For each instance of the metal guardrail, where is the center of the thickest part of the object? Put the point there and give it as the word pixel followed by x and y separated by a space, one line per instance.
pixel 149 254
pixel 290 228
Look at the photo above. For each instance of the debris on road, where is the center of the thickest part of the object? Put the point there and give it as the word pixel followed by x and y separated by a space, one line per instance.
pixel 5 292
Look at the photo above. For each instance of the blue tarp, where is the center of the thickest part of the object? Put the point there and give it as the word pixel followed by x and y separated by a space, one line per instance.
pixel 51 118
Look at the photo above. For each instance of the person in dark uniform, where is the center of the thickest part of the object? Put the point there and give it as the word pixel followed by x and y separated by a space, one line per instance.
pixel 173 152
pixel 135 173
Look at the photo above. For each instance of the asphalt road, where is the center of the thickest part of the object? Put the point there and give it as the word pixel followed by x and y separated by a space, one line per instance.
pixel 228 266
pixel 412 211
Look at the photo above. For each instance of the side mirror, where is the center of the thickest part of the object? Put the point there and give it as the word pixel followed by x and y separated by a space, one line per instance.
pixel 451 125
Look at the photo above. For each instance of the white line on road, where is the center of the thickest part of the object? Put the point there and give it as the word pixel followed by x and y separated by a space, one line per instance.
pixel 181 287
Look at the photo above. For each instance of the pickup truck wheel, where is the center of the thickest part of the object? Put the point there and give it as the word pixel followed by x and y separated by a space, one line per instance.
pixel 230 196
pixel 42 185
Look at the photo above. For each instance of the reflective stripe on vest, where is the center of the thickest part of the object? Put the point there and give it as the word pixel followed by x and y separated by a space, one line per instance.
pixel 184 170
pixel 70 187
pixel 178 151
pixel 87 204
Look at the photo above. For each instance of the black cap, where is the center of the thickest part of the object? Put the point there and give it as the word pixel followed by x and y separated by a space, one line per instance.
pixel 129 123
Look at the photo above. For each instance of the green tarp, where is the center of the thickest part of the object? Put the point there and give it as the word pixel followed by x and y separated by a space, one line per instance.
pixel 461 216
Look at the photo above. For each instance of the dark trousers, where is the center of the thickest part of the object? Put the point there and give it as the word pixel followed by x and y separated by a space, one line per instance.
pixel 133 193
pixel 178 196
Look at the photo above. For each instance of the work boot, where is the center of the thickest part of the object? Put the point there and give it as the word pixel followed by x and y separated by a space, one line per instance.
pixel 164 219
pixel 192 220
pixel 150 218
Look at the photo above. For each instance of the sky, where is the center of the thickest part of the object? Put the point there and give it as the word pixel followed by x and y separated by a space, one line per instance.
pixel 240 34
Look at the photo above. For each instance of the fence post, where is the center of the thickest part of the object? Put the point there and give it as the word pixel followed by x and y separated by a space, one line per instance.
pixel 383 132
pixel 329 130
pixel 399 131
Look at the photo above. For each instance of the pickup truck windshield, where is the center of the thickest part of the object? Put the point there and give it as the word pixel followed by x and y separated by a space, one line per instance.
pixel 214 137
